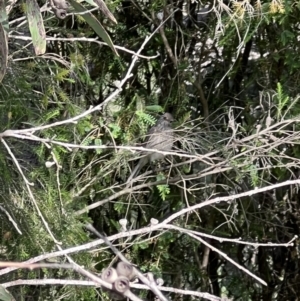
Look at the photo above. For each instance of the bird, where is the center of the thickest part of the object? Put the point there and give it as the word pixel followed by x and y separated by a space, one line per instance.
pixel 159 137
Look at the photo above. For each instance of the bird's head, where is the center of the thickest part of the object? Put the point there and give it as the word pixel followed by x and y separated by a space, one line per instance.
pixel 167 117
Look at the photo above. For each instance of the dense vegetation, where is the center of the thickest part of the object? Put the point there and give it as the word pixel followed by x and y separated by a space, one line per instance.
pixel 219 219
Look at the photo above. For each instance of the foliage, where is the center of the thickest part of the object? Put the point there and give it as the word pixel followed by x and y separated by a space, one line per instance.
pixel 229 74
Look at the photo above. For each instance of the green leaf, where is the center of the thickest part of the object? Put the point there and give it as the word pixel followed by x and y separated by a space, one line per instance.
pixel 3 52
pixel 116 130
pixel 36 27
pixel 3 40
pixel 146 118
pixel 143 245
pixel 154 108
pixel 164 190
pixel 91 2
pixel 95 24
pixel 98 142
pixel 3 16
pixel 5 295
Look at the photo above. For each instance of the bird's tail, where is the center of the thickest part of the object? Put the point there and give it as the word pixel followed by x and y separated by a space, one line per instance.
pixel 134 172
pixel 137 169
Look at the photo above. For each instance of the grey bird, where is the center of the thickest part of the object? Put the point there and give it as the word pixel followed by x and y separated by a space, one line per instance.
pixel 159 137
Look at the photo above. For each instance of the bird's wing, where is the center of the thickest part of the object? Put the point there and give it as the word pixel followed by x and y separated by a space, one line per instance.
pixel 152 137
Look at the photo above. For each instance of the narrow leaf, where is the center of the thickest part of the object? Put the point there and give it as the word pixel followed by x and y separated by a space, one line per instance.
pixel 36 26
pixel 3 16
pixel 95 24
pixel 3 52
pixel 5 295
